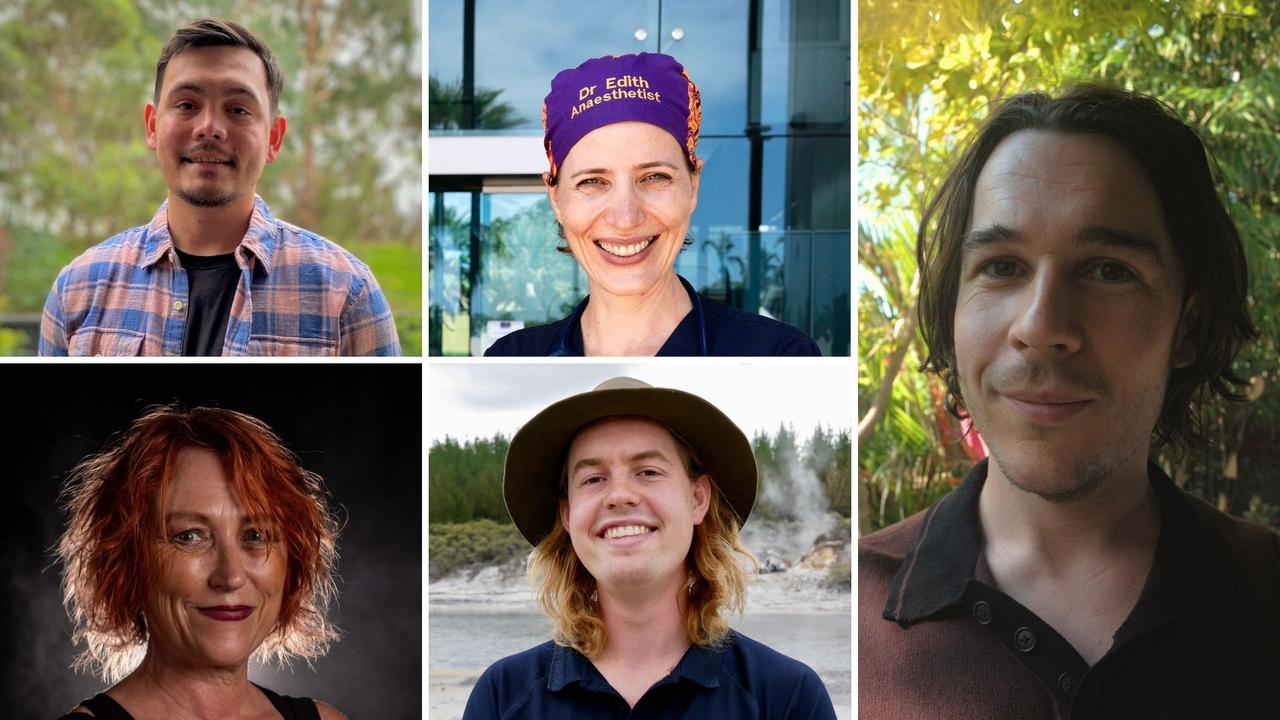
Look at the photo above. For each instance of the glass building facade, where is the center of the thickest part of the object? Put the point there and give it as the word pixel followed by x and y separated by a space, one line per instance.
pixel 771 230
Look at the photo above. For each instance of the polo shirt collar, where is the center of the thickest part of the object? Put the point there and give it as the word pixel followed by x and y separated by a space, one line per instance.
pixel 568 666
pixel 944 559
pixel 1185 576
pixel 259 240
pixel 699 664
pixel 947 556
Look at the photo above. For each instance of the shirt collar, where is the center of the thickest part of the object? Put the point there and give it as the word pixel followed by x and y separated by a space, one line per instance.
pixel 259 240
pixel 570 342
pixel 699 664
pixel 948 555
pixel 567 666
pixel 937 568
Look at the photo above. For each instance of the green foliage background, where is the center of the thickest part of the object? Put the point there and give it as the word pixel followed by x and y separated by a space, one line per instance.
pixel 929 72
pixel 478 542
pixel 75 170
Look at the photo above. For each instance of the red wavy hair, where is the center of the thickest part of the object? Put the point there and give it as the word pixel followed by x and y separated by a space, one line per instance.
pixel 115 497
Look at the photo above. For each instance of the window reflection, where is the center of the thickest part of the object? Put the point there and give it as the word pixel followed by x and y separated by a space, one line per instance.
pixel 523 277
pixel 722 188
pixel 449 235
pixel 771 228
pixel 538 38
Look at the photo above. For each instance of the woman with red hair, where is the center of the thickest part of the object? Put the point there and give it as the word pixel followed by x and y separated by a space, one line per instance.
pixel 196 542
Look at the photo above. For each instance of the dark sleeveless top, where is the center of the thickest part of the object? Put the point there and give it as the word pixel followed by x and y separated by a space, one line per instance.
pixel 104 708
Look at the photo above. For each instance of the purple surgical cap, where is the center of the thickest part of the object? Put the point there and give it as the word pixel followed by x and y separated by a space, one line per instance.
pixel 645 87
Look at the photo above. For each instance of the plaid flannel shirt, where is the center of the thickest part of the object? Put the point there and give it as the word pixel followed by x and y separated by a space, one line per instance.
pixel 299 294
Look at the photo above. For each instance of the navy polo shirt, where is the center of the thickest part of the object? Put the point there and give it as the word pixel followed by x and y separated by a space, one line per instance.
pixel 729 332
pixel 738 679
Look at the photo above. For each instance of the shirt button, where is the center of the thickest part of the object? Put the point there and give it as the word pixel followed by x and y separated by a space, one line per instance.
pixel 982 612
pixel 177 305
pixel 1067 684
pixel 172 257
pixel 1025 639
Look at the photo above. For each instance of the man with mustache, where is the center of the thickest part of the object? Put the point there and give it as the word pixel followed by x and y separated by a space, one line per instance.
pixel 1083 292
pixel 214 273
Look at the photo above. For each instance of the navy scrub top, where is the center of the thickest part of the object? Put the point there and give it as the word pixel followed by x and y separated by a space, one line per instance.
pixel 740 679
pixel 710 328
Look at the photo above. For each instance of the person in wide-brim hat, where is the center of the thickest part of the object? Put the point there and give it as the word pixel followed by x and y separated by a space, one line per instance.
pixel 533 477
pixel 633 497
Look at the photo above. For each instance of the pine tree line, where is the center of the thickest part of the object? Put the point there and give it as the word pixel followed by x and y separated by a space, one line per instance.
pixel 466 477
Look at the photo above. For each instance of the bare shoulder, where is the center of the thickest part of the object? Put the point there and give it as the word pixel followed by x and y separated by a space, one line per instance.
pixel 329 712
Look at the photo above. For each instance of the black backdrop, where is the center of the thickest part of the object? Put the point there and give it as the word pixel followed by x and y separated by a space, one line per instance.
pixel 358 426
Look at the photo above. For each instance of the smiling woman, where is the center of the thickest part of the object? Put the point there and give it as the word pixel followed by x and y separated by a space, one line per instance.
pixel 621 134
pixel 196 543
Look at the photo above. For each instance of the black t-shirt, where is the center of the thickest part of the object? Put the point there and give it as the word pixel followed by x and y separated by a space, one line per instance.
pixel 211 286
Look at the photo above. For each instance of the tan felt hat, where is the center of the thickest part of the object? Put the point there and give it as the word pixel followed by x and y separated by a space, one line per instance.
pixel 535 459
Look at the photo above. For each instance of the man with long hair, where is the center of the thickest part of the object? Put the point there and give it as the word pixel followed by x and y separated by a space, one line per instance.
pixel 1083 295
pixel 633 497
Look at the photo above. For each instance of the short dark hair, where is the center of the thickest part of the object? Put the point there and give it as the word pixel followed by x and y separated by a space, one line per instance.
pixel 1203 235
pixel 209 32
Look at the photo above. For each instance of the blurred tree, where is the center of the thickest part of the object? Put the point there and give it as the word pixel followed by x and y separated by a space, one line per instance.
pixel 466 480
pixel 929 73
pixel 73 160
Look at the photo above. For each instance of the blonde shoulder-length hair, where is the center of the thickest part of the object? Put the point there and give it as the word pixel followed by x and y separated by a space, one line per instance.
pixel 717 582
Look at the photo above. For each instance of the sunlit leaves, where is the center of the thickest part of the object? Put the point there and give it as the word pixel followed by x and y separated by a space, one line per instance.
pixel 929 72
